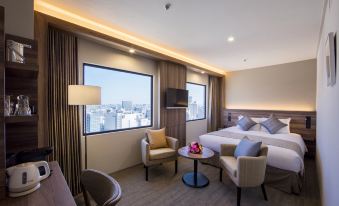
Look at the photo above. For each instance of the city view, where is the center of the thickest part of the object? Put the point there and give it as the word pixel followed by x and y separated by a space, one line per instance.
pixel 194 110
pixel 125 100
pixel 196 102
pixel 110 117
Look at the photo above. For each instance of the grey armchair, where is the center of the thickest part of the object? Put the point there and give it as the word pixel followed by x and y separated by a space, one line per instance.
pixel 152 157
pixel 104 190
pixel 243 171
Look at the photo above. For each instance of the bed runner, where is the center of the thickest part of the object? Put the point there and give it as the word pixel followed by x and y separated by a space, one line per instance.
pixel 265 140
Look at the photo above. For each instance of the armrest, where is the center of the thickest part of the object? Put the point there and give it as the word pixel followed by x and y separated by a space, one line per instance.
pixel 227 149
pixel 263 150
pixel 251 171
pixel 172 142
pixel 145 148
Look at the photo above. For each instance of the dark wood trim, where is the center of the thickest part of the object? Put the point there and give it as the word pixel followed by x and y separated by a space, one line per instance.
pixel 20 119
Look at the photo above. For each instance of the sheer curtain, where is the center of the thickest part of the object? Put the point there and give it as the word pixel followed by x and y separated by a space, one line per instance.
pixel 216 103
pixel 63 120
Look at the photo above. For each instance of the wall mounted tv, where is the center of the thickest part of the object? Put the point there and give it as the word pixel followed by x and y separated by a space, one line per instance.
pixel 176 98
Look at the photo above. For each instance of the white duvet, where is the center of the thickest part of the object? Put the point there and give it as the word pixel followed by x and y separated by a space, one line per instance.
pixel 278 157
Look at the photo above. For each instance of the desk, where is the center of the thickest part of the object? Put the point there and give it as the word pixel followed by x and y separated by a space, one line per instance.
pixel 53 191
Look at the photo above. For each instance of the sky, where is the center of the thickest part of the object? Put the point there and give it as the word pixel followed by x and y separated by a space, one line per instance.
pixel 117 86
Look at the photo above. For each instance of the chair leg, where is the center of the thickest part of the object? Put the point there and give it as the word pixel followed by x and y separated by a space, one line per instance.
pixel 84 192
pixel 238 196
pixel 146 173
pixel 220 174
pixel 176 166
pixel 264 191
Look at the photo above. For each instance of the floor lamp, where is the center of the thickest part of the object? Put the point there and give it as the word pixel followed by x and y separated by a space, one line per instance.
pixel 82 95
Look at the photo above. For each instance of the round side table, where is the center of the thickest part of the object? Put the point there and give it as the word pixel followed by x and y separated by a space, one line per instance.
pixel 195 179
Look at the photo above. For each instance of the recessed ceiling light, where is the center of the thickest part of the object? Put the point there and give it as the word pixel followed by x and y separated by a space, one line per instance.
pixel 202 72
pixel 131 50
pixel 168 6
pixel 230 39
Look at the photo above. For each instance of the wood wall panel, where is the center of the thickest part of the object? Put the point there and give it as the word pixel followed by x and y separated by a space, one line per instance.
pixel 21 136
pixel 172 75
pixel 2 118
pixel 297 124
pixel 40 35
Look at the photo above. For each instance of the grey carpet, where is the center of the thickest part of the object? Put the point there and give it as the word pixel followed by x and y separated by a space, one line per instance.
pixel 165 188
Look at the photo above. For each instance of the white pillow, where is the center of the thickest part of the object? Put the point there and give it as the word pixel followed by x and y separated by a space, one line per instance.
pixel 255 127
pixel 284 130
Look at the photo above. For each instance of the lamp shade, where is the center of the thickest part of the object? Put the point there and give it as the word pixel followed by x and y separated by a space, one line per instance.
pixel 84 95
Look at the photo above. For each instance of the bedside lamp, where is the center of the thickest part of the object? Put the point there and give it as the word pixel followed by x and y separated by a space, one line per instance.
pixel 82 95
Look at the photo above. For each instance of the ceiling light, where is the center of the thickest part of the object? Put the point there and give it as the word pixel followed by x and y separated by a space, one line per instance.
pixel 244 60
pixel 202 72
pixel 168 6
pixel 230 39
pixel 131 50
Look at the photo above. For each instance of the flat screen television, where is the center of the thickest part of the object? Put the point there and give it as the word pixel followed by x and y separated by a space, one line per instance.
pixel 176 98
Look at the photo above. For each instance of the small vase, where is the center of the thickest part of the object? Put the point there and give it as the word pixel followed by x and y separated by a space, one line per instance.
pixel 22 107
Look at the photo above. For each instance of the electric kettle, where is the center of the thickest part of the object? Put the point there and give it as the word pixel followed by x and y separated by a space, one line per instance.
pixel 25 178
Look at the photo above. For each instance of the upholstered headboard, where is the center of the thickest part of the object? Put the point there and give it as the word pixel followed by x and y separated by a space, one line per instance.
pixel 303 123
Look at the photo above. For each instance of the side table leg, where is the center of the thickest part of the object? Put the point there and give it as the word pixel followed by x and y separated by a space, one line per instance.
pixel 195 172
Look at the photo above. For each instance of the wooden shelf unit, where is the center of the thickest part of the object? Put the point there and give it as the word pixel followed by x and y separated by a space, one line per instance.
pixel 21 79
pixel 21 119
pixel 17 133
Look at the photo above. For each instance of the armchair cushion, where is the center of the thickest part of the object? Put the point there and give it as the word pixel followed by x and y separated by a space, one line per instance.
pixel 230 164
pixel 247 147
pixel 161 153
pixel 157 138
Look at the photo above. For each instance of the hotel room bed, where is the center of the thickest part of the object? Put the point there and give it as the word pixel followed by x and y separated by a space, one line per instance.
pixel 285 157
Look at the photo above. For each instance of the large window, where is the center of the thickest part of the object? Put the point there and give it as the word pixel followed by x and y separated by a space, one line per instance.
pixel 196 102
pixel 126 100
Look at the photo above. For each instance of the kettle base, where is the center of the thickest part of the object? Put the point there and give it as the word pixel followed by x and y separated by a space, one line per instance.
pixel 19 194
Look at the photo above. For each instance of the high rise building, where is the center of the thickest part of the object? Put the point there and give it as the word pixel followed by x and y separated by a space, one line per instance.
pixel 127 105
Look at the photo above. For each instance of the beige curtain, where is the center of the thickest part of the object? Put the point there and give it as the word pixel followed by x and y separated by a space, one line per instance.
pixel 216 102
pixel 172 75
pixel 63 120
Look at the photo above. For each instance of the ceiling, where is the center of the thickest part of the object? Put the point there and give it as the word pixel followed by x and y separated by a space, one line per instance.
pixel 266 32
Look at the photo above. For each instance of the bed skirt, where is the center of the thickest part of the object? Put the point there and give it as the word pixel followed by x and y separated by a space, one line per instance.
pixel 283 180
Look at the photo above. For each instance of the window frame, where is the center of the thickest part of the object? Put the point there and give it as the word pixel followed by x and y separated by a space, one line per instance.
pixel 118 70
pixel 205 102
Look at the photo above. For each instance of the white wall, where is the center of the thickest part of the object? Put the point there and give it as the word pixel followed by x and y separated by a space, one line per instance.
pixel 19 17
pixel 290 86
pixel 328 116
pixel 196 128
pixel 115 151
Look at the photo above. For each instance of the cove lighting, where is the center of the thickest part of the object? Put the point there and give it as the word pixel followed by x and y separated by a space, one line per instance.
pixel 83 21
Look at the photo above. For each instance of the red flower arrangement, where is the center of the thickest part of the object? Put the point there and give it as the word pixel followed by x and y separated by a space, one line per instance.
pixel 195 148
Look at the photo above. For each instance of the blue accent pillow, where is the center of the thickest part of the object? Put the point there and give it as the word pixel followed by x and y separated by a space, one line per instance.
pixel 248 148
pixel 273 124
pixel 246 123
